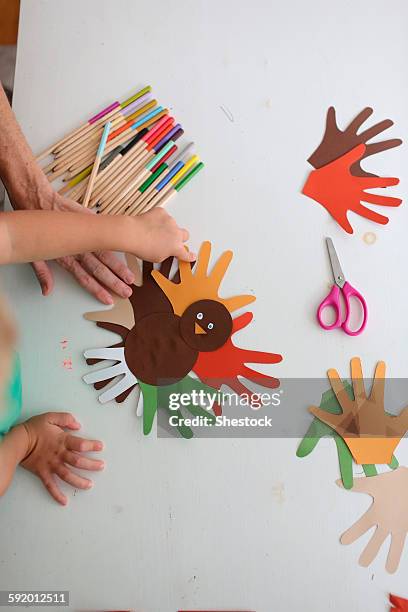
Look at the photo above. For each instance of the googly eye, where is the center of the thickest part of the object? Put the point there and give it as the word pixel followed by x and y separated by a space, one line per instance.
pixel 200 316
pixel 210 326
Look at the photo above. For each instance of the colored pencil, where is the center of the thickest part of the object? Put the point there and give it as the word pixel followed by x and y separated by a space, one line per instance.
pixel 110 177
pixel 169 184
pixel 99 155
pixel 146 121
pixel 166 197
pixel 149 143
pixel 75 152
pixel 163 147
pixel 115 206
pixel 102 115
pixel 147 189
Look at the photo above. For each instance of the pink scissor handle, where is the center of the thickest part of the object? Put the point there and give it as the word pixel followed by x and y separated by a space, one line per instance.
pixel 348 293
pixel 331 301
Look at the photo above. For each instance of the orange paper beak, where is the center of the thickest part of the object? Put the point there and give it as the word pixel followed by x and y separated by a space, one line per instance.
pixel 198 329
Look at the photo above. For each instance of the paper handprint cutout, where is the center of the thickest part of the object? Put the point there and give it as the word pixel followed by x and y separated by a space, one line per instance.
pixel 388 513
pixel 225 365
pixel 335 188
pixel 399 604
pixel 319 430
pixel 164 327
pixel 339 183
pixel 370 433
pixel 337 142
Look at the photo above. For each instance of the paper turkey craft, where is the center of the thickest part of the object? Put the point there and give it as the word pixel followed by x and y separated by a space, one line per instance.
pixel 165 326
pixel 338 182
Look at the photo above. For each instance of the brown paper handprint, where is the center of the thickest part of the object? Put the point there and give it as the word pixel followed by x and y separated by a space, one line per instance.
pixel 337 142
pixel 388 513
pixel 370 433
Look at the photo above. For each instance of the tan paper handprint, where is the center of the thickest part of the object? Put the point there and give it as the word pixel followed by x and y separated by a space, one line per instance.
pixel 370 433
pixel 388 513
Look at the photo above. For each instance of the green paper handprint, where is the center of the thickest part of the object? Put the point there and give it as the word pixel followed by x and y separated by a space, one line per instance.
pixel 155 398
pixel 318 430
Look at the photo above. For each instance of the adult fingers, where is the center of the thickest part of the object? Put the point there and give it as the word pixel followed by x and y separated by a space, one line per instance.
pixel 75 480
pixel 53 489
pixel 67 205
pixel 81 445
pixel 44 276
pixel 101 272
pixel 63 419
pixel 85 280
pixel 84 463
pixel 117 266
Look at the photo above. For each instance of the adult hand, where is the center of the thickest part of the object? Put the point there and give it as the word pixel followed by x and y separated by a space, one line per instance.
pixel 101 273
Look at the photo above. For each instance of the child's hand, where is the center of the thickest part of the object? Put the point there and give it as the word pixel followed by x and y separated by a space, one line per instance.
pixel 160 237
pixel 51 451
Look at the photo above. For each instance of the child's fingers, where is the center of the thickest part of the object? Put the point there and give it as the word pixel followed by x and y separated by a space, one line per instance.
pixel 75 480
pixel 81 445
pixel 83 463
pixel 64 420
pixel 185 234
pixel 52 488
pixel 183 255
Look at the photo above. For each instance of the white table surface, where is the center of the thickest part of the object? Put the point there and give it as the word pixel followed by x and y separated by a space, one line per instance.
pixel 215 524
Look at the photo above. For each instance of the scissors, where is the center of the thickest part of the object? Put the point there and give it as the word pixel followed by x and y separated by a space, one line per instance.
pixel 333 298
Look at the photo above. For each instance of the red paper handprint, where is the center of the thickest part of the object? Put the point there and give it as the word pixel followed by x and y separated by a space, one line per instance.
pixel 226 364
pixel 335 188
pixel 399 604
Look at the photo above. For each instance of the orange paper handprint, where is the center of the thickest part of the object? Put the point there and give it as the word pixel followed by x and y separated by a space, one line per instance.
pixel 334 187
pixel 370 433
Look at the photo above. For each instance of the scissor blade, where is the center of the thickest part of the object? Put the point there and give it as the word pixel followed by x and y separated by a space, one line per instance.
pixel 335 264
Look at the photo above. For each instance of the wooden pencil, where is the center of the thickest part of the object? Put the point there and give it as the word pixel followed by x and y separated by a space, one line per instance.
pixel 99 155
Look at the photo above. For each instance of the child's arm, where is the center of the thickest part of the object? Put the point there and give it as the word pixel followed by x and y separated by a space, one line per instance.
pixel 31 235
pixel 100 272
pixel 13 449
pixel 43 447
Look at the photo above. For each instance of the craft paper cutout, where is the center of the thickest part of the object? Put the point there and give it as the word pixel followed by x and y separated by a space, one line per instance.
pixel 227 364
pixel 338 191
pixel 158 347
pixel 399 604
pixel 337 142
pixel 317 430
pixel 388 513
pixel 199 285
pixel 156 398
pixel 370 433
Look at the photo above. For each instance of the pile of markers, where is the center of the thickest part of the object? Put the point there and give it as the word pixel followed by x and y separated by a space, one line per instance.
pixel 125 159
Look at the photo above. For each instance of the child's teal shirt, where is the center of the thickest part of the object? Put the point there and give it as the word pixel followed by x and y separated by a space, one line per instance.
pixel 12 399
